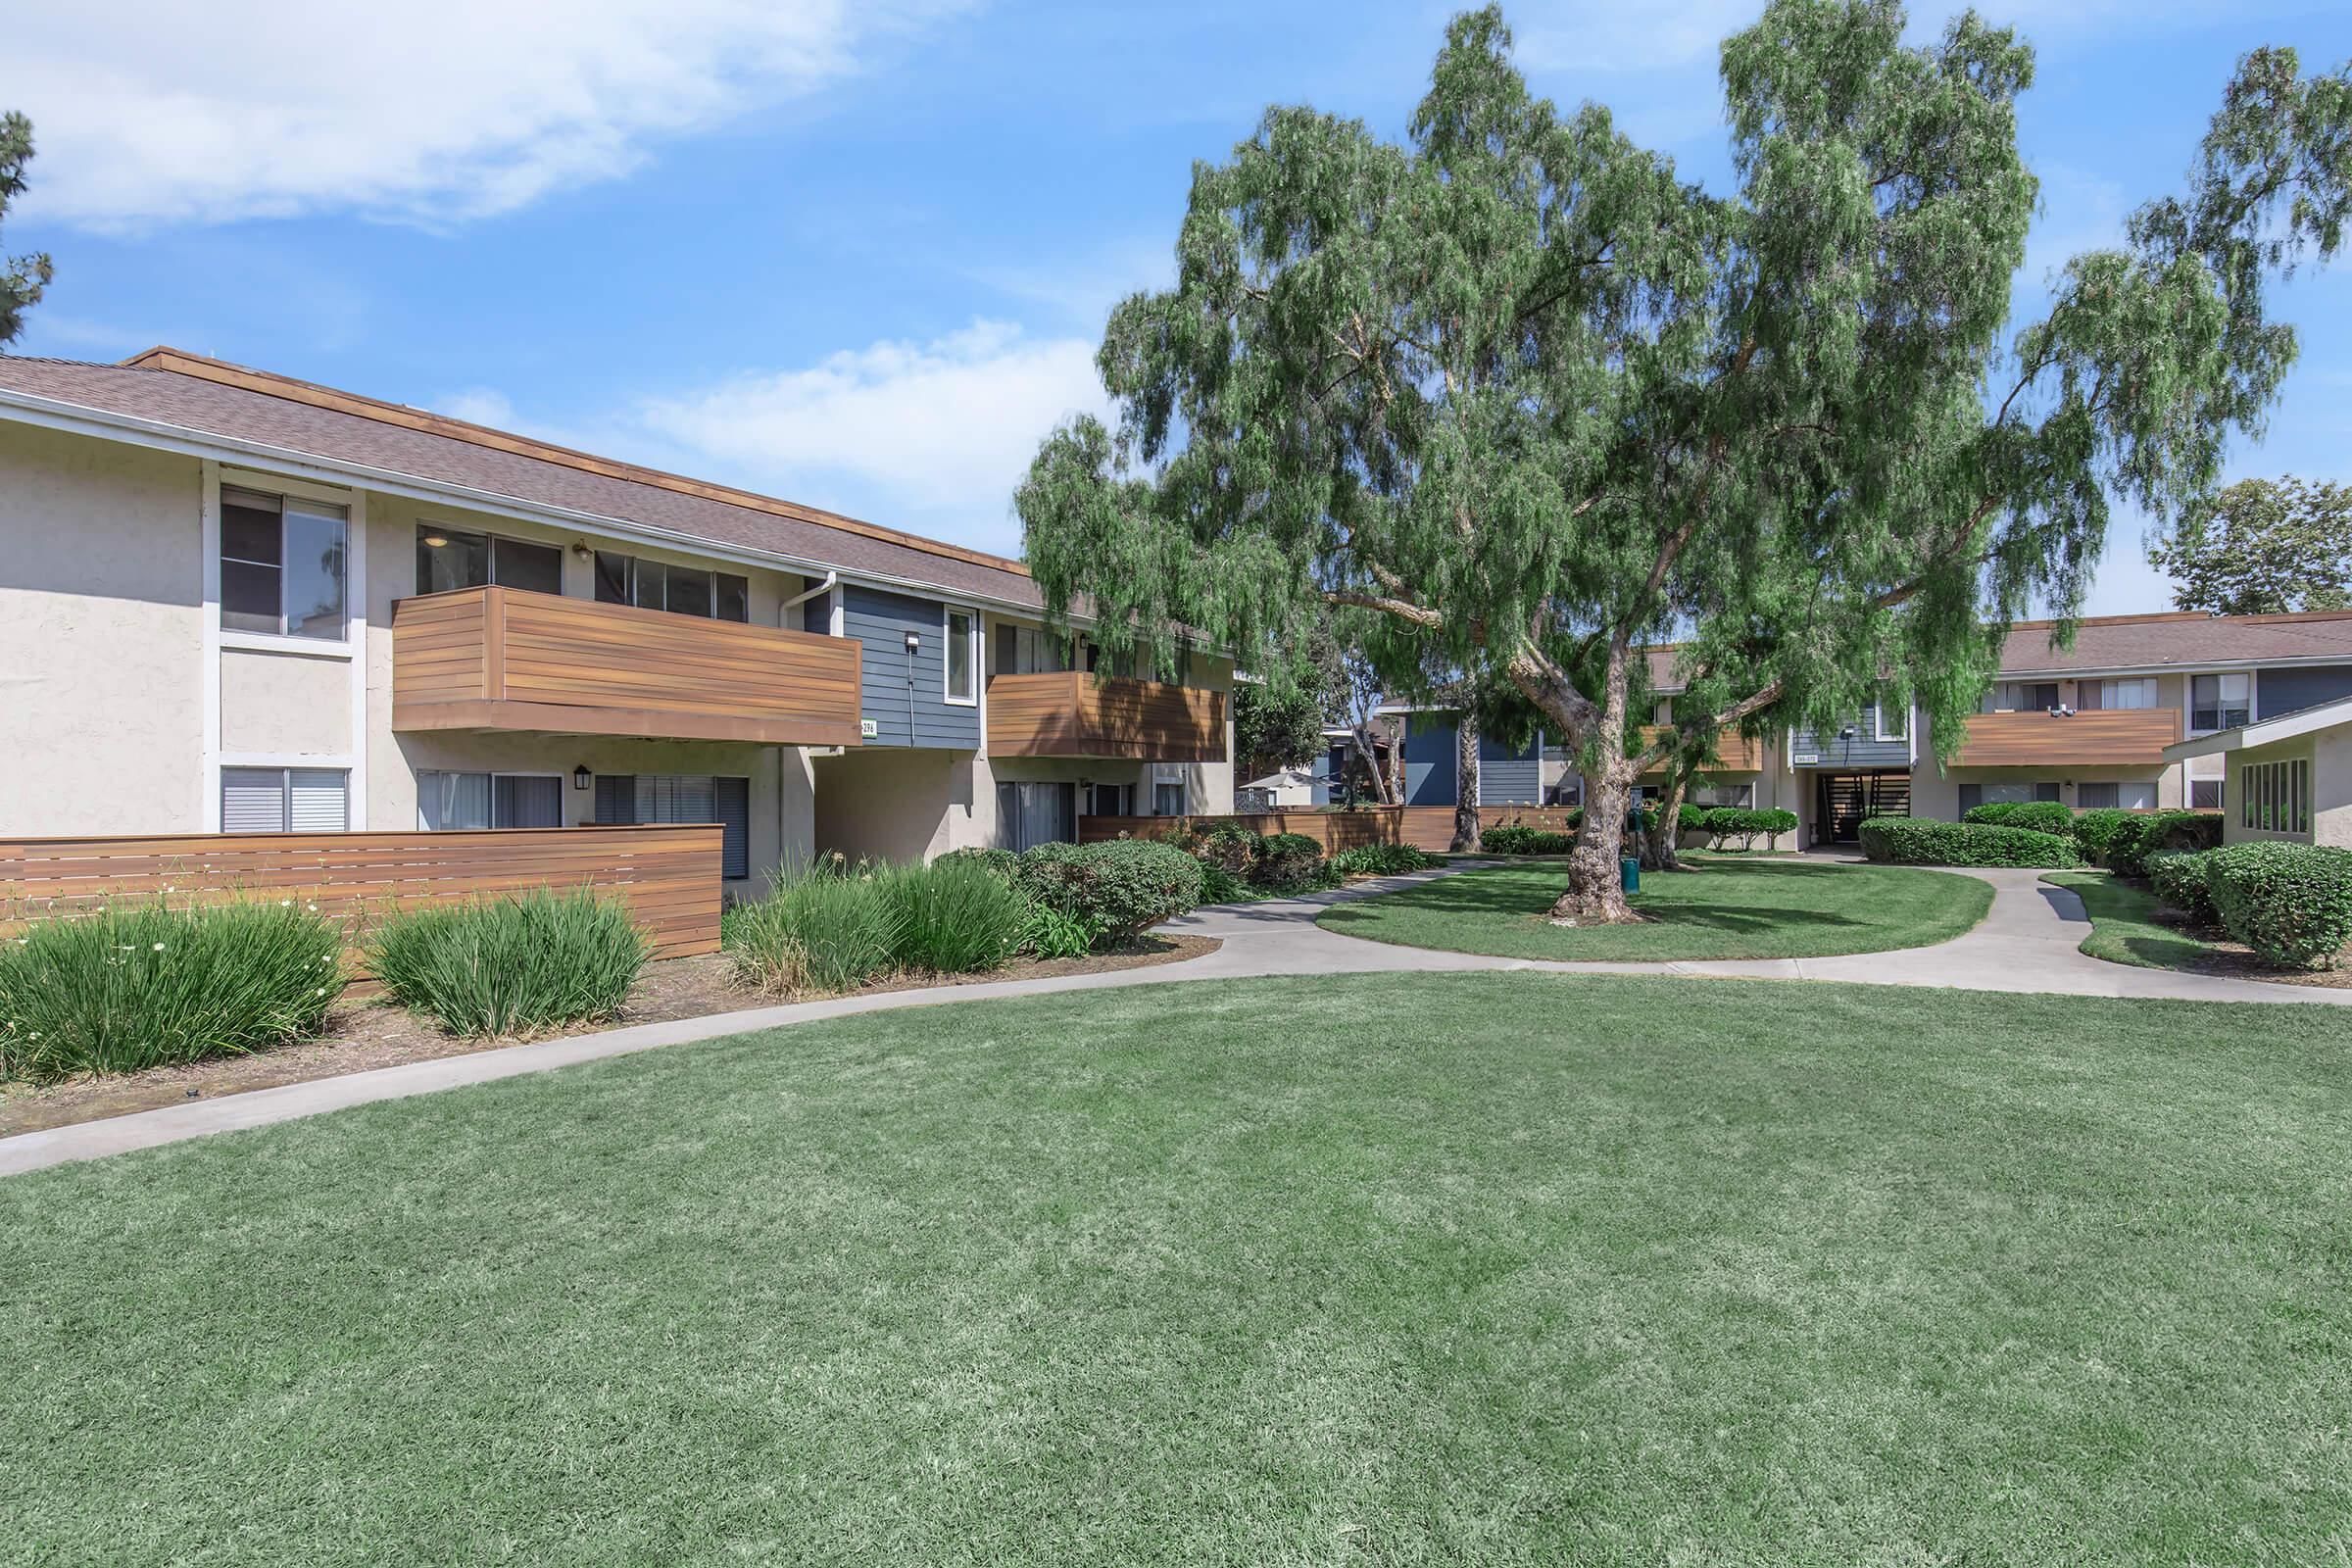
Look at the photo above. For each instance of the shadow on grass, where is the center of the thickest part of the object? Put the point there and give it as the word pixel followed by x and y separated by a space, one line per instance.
pixel 1501 895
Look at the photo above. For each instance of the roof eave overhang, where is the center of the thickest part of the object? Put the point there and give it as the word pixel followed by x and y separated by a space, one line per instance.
pixel 77 418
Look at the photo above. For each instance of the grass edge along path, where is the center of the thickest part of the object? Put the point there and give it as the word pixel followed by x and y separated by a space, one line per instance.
pixel 1510 1269
pixel 1723 909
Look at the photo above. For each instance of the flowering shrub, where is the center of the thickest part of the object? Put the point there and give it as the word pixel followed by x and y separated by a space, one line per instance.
pixel 141 984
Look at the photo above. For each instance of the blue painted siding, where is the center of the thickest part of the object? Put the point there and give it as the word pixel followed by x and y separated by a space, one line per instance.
pixel 1863 750
pixel 881 622
pixel 2291 691
pixel 1506 775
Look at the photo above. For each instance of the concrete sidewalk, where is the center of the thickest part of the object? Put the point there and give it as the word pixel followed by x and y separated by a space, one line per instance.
pixel 2026 942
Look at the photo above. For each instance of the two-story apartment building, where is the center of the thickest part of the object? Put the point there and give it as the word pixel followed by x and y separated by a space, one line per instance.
pixel 231 601
pixel 2088 725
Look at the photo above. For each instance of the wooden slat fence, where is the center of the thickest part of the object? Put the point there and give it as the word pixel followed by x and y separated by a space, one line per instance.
pixel 1424 827
pixel 667 874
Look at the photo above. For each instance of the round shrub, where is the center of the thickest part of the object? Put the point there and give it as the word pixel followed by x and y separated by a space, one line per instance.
pixel 137 985
pixel 2041 816
pixel 1231 848
pixel 1922 841
pixel 2095 830
pixel 1121 885
pixel 1285 859
pixel 2149 834
pixel 2290 903
pixel 2180 881
pixel 498 967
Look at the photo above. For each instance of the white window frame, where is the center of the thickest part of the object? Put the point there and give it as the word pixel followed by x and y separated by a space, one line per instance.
pixel 2221 700
pixel 1877 719
pixel 971 654
pixel 493 774
pixel 355 582
pixel 2145 684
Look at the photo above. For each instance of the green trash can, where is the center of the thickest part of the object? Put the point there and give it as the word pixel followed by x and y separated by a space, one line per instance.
pixel 1629 874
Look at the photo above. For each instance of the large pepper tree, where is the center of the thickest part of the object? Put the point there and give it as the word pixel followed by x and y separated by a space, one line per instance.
pixel 1514 398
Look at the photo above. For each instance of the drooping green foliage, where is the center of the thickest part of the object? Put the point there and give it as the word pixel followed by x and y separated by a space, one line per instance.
pixel 2262 547
pixel 22 278
pixel 1513 398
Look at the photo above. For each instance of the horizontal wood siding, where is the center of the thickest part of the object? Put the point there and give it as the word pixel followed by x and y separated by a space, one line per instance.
pixel 1071 714
pixel 669 875
pixel 1734 754
pixel 1424 827
pixel 504 659
pixel 879 621
pixel 2033 737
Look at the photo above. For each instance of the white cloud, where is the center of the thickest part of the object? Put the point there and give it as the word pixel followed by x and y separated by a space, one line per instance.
pixel 931 435
pixel 431 111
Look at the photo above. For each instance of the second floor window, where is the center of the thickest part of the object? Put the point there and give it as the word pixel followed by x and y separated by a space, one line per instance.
pixel 281 564
pixel 2138 691
pixel 450 557
pixel 680 590
pixel 2220 702
pixel 962 632
pixel 2022 696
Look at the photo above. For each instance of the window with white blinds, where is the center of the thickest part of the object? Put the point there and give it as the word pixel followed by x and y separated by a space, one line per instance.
pixel 284 800
pixel 626 797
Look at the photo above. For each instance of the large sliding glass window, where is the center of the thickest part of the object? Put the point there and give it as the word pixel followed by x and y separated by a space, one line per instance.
pixel 448 559
pixel 2093 696
pixel 281 564
pixel 623 798
pixel 681 590
pixel 1033 814
pixel 452 801
pixel 2220 702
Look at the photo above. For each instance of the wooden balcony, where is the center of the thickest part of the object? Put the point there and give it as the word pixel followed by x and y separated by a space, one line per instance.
pixel 2124 737
pixel 1070 713
pixel 1736 753
pixel 500 658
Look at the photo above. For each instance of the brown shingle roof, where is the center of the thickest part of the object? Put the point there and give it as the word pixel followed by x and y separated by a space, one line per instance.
pixel 213 398
pixel 2185 637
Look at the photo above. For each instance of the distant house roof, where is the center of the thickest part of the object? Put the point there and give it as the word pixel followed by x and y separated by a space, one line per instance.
pixel 206 397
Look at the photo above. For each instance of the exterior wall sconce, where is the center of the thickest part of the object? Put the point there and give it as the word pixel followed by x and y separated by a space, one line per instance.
pixel 580 777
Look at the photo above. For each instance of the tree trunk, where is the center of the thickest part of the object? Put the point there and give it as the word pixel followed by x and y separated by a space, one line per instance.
pixel 1595 892
pixel 1659 851
pixel 1465 784
pixel 1382 793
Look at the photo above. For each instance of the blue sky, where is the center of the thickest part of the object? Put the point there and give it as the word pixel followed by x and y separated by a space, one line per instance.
pixel 860 254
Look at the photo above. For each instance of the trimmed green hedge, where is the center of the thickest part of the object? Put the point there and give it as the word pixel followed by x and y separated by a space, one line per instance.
pixel 2290 903
pixel 2181 882
pixel 1922 841
pixel 1721 822
pixel 1511 839
pixel 2149 834
pixel 1120 886
pixel 2042 816
pixel 2095 830
pixel 1381 859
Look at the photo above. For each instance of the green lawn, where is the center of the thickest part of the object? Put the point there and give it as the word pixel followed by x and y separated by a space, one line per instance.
pixel 2124 927
pixel 1724 908
pixel 1492 1269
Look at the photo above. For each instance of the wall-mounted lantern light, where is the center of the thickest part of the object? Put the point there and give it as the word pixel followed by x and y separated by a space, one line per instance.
pixel 580 777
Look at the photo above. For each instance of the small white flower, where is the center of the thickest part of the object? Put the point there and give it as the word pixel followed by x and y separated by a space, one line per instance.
pixel 158 947
pixel 321 991
pixel 310 906
pixel 286 903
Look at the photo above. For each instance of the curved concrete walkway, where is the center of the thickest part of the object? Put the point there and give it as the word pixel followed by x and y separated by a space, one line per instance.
pixel 2026 942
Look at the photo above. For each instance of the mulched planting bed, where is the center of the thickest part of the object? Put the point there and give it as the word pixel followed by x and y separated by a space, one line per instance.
pixel 362 1037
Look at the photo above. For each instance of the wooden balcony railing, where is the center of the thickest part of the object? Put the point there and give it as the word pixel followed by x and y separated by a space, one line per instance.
pixel 1070 713
pixel 501 658
pixel 1736 753
pixel 2124 737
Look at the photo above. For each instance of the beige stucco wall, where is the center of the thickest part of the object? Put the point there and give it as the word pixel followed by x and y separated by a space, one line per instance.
pixel 101 637
pixel 2329 752
pixel 894 802
pixel 284 703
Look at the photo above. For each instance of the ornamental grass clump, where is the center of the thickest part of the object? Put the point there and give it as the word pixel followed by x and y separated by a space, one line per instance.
pixel 138 985
pixel 951 916
pixel 822 929
pixel 509 965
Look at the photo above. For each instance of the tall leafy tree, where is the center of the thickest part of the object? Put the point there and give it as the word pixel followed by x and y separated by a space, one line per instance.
pixel 1528 400
pixel 22 277
pixel 2263 547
